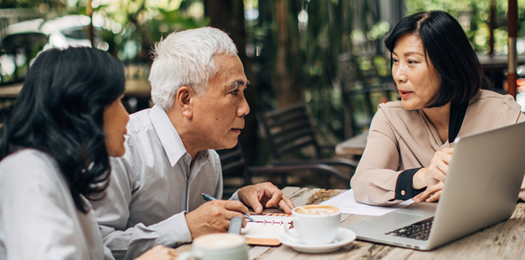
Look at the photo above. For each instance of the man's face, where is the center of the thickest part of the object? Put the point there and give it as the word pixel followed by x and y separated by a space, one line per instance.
pixel 219 112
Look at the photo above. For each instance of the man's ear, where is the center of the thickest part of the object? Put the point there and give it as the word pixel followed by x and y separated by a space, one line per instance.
pixel 184 100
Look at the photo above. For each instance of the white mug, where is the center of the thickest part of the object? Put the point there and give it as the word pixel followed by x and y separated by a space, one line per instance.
pixel 222 246
pixel 315 224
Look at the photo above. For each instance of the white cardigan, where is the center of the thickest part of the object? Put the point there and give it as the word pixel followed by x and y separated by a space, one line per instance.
pixel 38 218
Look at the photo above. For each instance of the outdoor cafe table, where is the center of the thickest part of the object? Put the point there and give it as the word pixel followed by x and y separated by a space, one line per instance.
pixel 134 88
pixel 352 146
pixel 505 240
pixel 138 89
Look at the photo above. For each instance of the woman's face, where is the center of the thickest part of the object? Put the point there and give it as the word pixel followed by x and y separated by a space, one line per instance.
pixel 115 120
pixel 417 80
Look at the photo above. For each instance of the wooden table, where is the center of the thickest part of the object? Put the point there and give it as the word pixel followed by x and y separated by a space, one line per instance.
pixel 138 89
pixel 495 68
pixel 134 88
pixel 10 91
pixel 497 62
pixel 505 240
pixel 353 146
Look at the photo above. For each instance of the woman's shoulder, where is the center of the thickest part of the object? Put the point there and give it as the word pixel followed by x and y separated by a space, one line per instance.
pixel 488 99
pixel 391 105
pixel 27 164
pixel 392 117
pixel 488 110
pixel 27 157
pixel 485 95
pixel 394 110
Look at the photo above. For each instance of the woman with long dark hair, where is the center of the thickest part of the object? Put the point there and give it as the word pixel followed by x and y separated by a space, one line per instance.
pixel 440 81
pixel 67 121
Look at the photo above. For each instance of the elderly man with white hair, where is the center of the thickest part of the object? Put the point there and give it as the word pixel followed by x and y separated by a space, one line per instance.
pixel 154 196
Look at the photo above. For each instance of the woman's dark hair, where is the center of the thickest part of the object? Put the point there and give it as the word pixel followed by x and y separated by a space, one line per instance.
pixel 60 110
pixel 449 50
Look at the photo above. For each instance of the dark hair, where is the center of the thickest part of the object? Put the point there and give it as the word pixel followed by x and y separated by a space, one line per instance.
pixel 60 110
pixel 449 50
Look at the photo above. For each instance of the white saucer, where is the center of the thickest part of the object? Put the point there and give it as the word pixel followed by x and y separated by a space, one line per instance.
pixel 344 236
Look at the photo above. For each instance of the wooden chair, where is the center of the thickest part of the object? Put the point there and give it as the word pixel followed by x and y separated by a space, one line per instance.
pixel 234 166
pixel 289 132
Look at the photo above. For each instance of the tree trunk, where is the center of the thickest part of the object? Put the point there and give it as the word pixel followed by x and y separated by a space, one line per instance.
pixel 147 42
pixel 228 15
pixel 286 82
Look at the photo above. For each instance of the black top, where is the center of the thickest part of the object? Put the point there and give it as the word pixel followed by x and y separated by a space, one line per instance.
pixel 404 188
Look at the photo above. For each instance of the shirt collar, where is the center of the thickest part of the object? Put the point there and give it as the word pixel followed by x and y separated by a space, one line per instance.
pixel 170 138
pixel 168 135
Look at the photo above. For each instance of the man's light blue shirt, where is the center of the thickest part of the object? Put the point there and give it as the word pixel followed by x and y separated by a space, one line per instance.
pixel 152 186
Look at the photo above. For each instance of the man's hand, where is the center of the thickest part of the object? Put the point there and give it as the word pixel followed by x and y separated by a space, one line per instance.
pixel 214 217
pixel 159 252
pixel 265 194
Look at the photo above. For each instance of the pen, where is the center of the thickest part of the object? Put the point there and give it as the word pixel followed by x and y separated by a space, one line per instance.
pixel 207 197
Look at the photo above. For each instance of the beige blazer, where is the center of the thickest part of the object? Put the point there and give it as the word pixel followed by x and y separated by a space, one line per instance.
pixel 402 139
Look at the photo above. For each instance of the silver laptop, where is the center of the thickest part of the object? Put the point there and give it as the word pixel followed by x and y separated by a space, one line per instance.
pixel 481 189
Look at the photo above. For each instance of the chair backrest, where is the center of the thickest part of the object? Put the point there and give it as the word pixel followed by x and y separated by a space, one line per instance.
pixel 289 130
pixel 234 166
pixel 232 161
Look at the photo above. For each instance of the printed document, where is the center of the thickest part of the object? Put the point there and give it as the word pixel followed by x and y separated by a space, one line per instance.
pixel 346 202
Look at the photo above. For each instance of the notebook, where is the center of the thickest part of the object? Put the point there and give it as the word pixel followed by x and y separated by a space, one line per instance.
pixel 265 232
pixel 481 189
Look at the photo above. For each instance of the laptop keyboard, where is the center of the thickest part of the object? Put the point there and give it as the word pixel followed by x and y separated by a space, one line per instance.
pixel 419 230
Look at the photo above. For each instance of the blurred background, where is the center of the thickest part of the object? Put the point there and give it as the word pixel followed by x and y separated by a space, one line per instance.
pixel 328 54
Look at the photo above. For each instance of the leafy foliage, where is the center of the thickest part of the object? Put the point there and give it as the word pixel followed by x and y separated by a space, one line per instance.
pixel 474 16
pixel 145 22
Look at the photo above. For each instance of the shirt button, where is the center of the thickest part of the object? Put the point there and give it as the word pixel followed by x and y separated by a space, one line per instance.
pixel 403 192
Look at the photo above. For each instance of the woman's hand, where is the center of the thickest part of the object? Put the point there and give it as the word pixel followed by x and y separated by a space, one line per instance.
pixel 159 252
pixel 433 176
pixel 431 194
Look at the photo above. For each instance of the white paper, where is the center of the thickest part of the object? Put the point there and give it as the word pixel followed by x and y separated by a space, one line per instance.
pixel 346 202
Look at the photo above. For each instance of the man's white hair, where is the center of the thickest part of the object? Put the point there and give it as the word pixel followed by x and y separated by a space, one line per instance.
pixel 186 58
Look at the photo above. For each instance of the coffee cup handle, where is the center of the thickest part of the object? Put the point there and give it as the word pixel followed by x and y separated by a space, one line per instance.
pixel 294 236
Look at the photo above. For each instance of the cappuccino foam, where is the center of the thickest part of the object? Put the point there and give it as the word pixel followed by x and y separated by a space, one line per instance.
pixel 316 210
pixel 219 241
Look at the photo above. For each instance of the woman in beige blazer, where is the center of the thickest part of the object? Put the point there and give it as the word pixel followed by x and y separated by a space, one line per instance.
pixel 439 80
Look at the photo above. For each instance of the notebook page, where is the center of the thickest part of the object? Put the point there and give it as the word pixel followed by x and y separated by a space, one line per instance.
pixel 267 227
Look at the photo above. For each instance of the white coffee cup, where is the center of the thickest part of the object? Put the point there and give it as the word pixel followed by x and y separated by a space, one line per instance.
pixel 315 224
pixel 222 246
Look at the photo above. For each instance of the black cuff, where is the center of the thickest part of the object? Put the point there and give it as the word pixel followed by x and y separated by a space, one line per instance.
pixel 404 188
